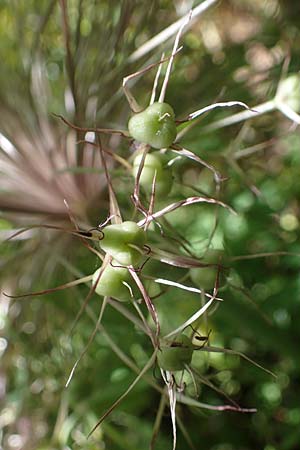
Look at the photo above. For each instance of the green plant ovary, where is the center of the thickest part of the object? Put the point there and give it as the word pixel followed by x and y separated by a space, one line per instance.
pixel 124 242
pixel 154 126
pixel 153 167
pixel 175 355
pixel 205 277
pixel 111 282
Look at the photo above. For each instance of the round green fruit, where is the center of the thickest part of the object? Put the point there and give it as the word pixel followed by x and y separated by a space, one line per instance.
pixel 111 282
pixel 120 240
pixel 175 355
pixel 154 126
pixel 288 92
pixel 153 166
pixel 205 277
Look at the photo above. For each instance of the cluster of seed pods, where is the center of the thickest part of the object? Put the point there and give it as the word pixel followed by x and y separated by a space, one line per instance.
pixel 125 247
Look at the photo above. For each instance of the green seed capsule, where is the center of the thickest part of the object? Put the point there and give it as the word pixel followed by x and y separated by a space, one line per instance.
pixel 205 277
pixel 174 355
pixel 154 126
pixel 111 282
pixel 119 241
pixel 153 165
pixel 288 92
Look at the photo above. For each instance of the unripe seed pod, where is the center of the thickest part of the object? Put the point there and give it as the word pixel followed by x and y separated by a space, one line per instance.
pixel 111 282
pixel 119 241
pixel 289 92
pixel 175 355
pixel 205 277
pixel 154 126
pixel 153 166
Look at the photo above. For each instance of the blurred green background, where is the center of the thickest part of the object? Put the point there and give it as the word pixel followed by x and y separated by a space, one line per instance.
pixel 69 58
